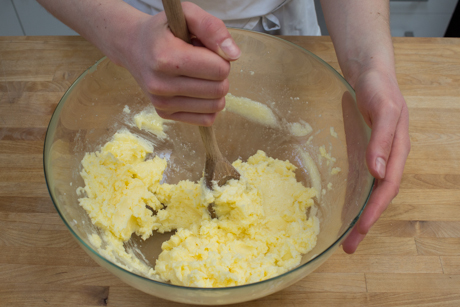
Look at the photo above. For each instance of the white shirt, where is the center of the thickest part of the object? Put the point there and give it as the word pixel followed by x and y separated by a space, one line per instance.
pixel 285 17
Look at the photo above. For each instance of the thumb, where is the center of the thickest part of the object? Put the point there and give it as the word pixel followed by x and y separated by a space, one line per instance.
pixel 381 142
pixel 211 31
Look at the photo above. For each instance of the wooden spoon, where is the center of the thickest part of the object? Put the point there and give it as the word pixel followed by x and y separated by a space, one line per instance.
pixel 217 168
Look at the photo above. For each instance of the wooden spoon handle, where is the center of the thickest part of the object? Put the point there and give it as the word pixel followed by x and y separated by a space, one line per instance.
pixel 178 26
pixel 176 19
pixel 210 143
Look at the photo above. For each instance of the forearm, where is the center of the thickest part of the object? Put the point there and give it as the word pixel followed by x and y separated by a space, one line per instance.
pixel 360 32
pixel 105 23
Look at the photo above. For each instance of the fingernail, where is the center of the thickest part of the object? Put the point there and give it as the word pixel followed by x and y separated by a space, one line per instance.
pixel 230 49
pixel 381 166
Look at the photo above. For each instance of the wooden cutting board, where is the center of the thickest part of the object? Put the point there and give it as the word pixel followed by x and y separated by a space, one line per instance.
pixel 411 257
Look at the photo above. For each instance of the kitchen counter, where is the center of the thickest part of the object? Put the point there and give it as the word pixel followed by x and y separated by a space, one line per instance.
pixel 410 257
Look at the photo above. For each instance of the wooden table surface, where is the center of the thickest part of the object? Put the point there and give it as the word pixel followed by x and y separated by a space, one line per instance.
pixel 411 257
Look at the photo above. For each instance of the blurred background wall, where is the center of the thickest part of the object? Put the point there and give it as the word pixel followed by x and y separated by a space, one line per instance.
pixel 420 18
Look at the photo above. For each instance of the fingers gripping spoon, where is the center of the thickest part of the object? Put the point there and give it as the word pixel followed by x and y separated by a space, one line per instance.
pixel 217 168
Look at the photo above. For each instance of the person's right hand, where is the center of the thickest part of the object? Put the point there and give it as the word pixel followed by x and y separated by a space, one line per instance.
pixel 184 82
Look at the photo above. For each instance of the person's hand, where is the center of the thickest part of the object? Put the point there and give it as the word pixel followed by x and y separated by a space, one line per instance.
pixel 184 82
pixel 383 107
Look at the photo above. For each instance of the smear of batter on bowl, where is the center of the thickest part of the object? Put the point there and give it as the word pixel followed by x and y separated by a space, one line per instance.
pixel 150 121
pixel 262 230
pixel 250 109
pixel 335 170
pixel 327 155
pixel 259 112
pixel 312 169
pixel 301 128
pixel 333 133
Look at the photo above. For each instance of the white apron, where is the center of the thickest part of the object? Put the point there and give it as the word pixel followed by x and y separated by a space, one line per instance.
pixel 284 17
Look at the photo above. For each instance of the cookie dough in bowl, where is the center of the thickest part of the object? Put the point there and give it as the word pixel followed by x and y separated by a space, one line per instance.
pixel 130 189
pixel 262 229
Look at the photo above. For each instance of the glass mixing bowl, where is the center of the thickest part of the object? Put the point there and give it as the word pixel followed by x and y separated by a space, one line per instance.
pixel 295 84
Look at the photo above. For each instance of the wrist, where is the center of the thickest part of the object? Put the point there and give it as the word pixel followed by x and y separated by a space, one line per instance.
pixel 117 34
pixel 123 40
pixel 355 67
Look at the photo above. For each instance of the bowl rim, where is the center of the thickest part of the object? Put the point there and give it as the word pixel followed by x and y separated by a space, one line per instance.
pixel 94 252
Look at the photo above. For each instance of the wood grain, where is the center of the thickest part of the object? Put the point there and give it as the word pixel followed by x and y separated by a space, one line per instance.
pixel 381 264
pixel 24 134
pixel 428 196
pixel 416 229
pixel 21 175
pixel 55 294
pixel 433 166
pixel 124 296
pixel 430 181
pixel 438 246
pixel 450 264
pixel 47 256
pixel 18 204
pixel 387 246
pixel 417 282
pixel 40 274
pixel 411 257
pixel 423 212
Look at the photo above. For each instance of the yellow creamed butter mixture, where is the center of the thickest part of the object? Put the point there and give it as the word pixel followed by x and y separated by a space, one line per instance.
pixel 262 229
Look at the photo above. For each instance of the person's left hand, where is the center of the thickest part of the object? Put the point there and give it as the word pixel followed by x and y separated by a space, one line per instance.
pixel 384 109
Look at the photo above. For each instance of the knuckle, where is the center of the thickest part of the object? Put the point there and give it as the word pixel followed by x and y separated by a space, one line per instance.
pixel 160 103
pixel 393 189
pixel 387 143
pixel 163 62
pixel 408 146
pixel 208 119
pixel 223 71
pixel 163 114
pixel 393 109
pixel 212 25
pixel 188 5
pixel 157 87
pixel 219 105
pixel 222 88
